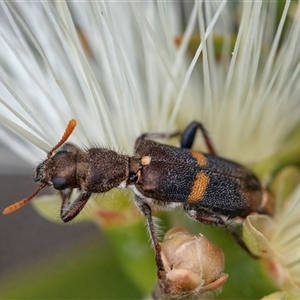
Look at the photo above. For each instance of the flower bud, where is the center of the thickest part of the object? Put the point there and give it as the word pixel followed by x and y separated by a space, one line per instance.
pixel 193 265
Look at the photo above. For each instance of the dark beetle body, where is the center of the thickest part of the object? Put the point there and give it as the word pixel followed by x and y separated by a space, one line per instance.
pixel 172 175
pixel 160 174
pixel 209 188
pixel 92 170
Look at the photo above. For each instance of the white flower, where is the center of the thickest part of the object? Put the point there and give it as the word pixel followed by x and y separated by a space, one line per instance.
pixel 133 78
pixel 116 69
pixel 47 78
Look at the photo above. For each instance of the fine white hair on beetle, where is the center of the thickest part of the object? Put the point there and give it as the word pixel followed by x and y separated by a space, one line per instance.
pixel 158 228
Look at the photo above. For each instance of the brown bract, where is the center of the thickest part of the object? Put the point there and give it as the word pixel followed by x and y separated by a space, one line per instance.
pixel 193 265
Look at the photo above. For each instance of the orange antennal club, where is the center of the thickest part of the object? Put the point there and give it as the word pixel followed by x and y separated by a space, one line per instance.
pixel 19 204
pixel 71 126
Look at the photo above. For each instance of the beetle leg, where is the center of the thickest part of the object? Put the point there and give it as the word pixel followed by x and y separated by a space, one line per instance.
pixel 73 209
pixel 65 196
pixel 210 218
pixel 188 137
pixel 146 210
pixel 154 135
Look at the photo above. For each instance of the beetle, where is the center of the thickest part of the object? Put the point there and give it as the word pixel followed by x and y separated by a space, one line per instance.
pixel 210 189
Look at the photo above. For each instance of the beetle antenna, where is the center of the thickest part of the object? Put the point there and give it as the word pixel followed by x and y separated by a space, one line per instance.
pixel 19 204
pixel 71 126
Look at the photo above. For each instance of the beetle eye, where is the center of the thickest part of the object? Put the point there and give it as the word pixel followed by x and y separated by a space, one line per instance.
pixel 59 183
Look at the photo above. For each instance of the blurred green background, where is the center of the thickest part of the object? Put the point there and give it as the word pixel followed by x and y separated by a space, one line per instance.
pixel 44 260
